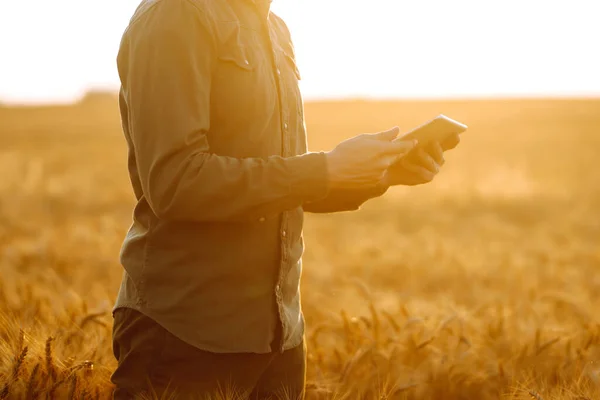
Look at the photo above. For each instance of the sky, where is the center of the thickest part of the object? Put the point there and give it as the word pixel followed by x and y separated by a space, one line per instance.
pixel 54 51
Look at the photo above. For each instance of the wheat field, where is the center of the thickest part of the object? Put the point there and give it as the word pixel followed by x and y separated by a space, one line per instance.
pixel 484 284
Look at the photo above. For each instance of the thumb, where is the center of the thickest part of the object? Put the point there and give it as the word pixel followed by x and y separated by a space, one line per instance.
pixel 388 135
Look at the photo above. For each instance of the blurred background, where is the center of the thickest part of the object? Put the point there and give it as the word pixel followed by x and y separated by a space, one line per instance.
pixel 56 51
pixel 480 284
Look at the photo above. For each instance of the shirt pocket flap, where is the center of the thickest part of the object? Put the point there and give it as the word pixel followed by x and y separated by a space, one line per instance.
pixel 238 57
pixel 231 49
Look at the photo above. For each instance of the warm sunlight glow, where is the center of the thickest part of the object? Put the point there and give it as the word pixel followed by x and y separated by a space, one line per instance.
pixel 376 48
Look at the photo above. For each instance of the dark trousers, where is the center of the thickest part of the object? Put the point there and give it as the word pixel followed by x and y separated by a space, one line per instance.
pixel 153 363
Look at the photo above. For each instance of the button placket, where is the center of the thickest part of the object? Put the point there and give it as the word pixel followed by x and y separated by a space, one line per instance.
pixel 286 135
pixel 284 247
pixel 284 117
pixel 285 150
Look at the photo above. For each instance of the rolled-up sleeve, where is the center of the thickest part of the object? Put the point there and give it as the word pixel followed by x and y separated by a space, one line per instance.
pixel 165 63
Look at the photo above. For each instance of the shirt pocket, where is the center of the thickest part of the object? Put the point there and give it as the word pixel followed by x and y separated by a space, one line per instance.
pixel 243 93
pixel 233 51
pixel 238 58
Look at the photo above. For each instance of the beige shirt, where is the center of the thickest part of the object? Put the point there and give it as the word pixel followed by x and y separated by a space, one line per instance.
pixel 214 122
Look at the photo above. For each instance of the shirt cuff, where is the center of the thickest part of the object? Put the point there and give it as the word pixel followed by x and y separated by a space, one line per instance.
pixel 310 179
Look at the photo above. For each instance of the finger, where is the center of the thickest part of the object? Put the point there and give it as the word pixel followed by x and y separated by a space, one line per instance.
pixel 423 159
pixel 399 147
pixel 451 142
pixel 388 160
pixel 436 151
pixel 388 135
pixel 420 172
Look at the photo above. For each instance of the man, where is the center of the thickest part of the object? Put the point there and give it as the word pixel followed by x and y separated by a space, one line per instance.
pixel 214 122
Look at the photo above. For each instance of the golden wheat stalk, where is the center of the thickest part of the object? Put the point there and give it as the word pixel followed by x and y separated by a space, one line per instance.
pixel 50 370
pixel 32 384
pixel 72 387
pixel 535 395
pixel 16 371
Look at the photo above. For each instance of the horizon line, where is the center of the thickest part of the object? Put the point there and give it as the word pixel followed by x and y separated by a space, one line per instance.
pixel 92 94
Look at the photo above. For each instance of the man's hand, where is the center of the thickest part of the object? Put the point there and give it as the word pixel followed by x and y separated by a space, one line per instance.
pixel 421 165
pixel 363 160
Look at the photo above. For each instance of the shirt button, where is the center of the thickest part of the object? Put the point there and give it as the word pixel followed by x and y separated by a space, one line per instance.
pixel 261 219
pixel 278 288
pixel 284 233
pixel 278 71
pixel 246 62
pixel 285 125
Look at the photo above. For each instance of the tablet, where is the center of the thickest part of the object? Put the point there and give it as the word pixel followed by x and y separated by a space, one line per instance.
pixel 438 129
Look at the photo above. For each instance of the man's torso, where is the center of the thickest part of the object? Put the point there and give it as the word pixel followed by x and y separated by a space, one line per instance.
pixel 222 286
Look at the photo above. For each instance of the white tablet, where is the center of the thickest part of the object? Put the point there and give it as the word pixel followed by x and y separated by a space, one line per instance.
pixel 437 129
